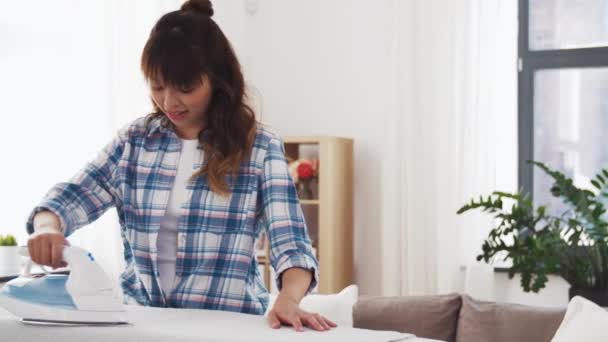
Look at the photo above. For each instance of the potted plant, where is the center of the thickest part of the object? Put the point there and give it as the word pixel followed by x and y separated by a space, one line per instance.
pixel 9 257
pixel 572 244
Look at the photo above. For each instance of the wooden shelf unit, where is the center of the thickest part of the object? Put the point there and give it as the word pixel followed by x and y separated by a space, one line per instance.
pixel 329 215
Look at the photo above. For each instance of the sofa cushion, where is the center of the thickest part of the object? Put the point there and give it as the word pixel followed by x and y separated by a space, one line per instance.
pixel 584 321
pixel 425 316
pixel 501 322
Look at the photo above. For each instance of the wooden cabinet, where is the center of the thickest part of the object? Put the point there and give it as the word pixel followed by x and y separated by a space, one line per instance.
pixel 329 213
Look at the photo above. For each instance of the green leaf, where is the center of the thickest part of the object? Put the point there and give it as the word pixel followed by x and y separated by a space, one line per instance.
pixel 12 241
pixel 589 193
pixel 8 240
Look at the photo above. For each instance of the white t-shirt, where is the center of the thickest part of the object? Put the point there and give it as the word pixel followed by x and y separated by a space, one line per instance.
pixel 167 236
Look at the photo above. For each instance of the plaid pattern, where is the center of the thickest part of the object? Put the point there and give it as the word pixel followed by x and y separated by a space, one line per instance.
pixel 216 267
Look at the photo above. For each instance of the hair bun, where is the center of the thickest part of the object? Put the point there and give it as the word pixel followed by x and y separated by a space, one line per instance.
pixel 200 6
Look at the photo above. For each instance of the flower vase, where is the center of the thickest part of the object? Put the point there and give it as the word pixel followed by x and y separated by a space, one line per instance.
pixel 304 190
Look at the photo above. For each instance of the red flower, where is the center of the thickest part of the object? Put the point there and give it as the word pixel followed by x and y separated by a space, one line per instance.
pixel 305 171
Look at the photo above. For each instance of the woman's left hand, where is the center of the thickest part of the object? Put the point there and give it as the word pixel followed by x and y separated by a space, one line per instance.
pixel 287 311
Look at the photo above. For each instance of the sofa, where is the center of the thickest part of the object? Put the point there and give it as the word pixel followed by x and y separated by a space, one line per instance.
pixel 458 318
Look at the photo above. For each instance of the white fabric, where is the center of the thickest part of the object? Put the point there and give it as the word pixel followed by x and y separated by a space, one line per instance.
pixel 180 325
pixel 584 321
pixel 451 135
pixel 336 307
pixel 166 242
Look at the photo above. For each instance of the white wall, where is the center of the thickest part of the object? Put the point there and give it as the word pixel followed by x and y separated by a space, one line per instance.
pixel 482 282
pixel 52 90
pixel 509 290
pixel 65 92
pixel 316 67
pixel 324 68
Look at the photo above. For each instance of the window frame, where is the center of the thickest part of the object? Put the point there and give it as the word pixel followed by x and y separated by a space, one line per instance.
pixel 530 61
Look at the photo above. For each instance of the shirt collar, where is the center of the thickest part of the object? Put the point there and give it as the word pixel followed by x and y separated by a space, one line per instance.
pixel 156 126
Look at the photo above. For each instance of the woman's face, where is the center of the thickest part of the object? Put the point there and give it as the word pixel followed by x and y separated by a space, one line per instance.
pixel 185 108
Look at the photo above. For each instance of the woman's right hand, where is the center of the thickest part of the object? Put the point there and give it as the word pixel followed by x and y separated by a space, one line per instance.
pixel 46 248
pixel 45 245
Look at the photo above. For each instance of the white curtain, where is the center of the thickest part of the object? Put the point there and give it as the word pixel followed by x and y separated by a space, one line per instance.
pixel 451 135
pixel 70 79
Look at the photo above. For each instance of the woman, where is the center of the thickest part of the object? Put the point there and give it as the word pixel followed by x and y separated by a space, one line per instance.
pixel 194 183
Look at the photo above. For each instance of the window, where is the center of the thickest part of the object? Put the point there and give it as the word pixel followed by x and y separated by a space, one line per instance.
pixel 563 91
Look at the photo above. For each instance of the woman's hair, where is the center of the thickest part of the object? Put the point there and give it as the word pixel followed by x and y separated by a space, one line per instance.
pixel 184 46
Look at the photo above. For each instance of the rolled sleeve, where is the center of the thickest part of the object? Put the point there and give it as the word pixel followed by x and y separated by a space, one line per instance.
pixel 56 208
pixel 290 245
pixel 297 260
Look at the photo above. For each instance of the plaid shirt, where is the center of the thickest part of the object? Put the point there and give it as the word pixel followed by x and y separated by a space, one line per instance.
pixel 216 266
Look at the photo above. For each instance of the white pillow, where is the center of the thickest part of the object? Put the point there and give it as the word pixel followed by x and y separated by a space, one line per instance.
pixel 584 321
pixel 338 308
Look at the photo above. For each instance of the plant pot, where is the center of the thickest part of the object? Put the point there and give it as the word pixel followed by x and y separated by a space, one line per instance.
pixel 10 261
pixel 599 297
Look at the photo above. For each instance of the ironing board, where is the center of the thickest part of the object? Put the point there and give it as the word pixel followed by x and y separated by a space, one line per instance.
pixel 177 325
